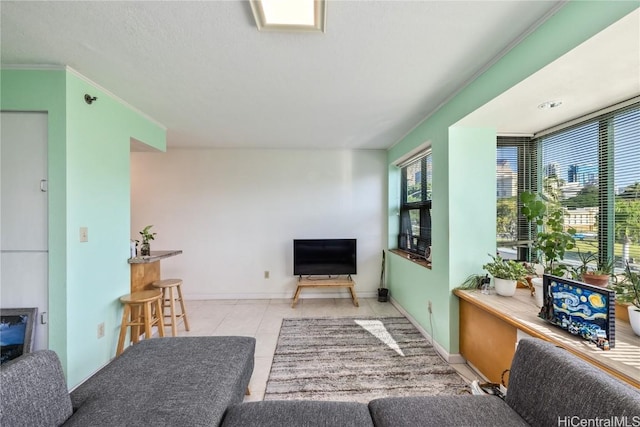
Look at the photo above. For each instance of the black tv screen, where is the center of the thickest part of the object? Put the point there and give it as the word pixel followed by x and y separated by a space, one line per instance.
pixel 327 257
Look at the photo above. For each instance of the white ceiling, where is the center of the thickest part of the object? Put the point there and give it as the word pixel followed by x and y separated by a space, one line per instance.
pixel 600 72
pixel 204 71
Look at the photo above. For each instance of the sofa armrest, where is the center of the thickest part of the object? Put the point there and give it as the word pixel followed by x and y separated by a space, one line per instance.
pixel 548 384
pixel 33 391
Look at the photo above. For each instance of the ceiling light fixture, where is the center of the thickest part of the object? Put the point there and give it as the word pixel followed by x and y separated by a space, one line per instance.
pixel 549 105
pixel 290 15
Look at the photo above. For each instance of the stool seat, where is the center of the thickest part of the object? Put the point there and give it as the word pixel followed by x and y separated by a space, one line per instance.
pixel 141 297
pixel 144 309
pixel 169 299
pixel 166 283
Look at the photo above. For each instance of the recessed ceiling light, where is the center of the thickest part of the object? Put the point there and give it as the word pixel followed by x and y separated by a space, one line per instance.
pixel 549 104
pixel 290 15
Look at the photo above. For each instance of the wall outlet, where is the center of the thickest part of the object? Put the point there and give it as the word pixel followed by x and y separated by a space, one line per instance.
pixel 266 274
pixel 84 234
pixel 429 307
pixel 100 330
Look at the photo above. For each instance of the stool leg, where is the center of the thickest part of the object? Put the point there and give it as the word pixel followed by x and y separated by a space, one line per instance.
pixel 123 329
pixel 172 312
pixel 136 321
pixel 160 316
pixel 184 312
pixel 147 320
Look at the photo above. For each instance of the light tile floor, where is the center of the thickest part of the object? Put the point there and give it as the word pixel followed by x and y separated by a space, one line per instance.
pixel 262 319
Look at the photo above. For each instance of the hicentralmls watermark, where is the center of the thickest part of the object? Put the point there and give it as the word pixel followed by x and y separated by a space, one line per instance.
pixel 621 421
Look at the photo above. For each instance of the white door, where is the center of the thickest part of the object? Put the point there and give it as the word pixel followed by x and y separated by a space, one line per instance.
pixel 24 216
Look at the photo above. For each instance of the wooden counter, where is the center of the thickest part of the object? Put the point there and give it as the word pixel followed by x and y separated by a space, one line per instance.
pixel 489 326
pixel 146 269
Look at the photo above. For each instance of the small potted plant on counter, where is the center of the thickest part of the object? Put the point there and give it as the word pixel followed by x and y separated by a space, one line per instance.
pixel 593 270
pixel 506 274
pixel 551 241
pixel 145 248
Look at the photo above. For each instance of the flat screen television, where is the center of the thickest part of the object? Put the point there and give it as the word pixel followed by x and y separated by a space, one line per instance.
pixel 324 257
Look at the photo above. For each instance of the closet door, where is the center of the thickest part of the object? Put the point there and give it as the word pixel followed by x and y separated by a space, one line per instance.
pixel 24 216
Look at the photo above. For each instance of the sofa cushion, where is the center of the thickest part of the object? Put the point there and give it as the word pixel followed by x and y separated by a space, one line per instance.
pixel 175 381
pixel 548 384
pixel 33 391
pixel 441 411
pixel 299 413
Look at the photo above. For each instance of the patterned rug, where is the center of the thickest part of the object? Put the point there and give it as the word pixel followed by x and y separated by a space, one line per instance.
pixel 357 359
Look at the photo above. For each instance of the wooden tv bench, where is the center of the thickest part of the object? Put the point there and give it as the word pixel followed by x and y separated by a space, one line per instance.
pixel 337 282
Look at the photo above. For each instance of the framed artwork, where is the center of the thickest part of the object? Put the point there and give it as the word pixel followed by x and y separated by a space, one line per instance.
pixel 16 332
pixel 581 309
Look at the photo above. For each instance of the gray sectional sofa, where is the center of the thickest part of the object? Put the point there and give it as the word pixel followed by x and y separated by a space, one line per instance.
pixel 183 381
pixel 201 382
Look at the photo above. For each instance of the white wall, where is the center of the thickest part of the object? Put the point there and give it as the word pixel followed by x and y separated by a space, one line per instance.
pixel 235 213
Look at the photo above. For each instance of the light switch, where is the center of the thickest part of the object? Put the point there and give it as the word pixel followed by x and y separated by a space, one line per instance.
pixel 84 234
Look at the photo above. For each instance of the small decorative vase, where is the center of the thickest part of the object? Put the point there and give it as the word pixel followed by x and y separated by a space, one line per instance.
pixel 145 249
pixel 505 287
pixel 537 285
pixel 634 319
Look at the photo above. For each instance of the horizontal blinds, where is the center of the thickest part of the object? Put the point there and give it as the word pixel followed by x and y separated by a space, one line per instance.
pixel 515 173
pixel 590 169
pixel 625 129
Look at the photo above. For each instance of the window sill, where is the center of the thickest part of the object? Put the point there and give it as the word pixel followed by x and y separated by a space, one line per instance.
pixel 411 257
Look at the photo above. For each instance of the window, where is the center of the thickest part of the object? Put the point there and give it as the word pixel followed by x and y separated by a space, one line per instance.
pixel 588 169
pixel 515 167
pixel 415 205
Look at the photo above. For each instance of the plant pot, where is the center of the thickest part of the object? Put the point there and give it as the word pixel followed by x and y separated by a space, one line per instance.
pixel 537 285
pixel 622 311
pixel 634 319
pixel 601 280
pixel 505 287
pixel 383 294
pixel 145 249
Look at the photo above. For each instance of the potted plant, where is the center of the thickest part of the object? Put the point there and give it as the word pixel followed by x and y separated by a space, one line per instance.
pixel 506 274
pixel 628 292
pixel 593 270
pixel 145 248
pixel 552 240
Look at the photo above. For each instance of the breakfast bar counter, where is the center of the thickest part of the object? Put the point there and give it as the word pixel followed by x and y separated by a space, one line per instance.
pixel 146 269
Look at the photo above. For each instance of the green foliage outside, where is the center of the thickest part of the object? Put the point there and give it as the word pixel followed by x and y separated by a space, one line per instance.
pixel 627 218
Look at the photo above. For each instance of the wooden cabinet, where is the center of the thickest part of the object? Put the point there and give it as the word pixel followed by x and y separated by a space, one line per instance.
pixel 490 326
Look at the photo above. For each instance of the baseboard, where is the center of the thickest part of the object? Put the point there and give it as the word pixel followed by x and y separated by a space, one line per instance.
pixel 448 357
pixel 280 295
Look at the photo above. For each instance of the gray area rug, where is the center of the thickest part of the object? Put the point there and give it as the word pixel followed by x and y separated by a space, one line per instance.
pixel 357 359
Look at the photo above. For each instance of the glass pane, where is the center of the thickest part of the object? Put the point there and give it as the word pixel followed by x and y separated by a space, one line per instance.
pixel 415 221
pixel 570 182
pixel 506 193
pixel 414 182
pixel 627 187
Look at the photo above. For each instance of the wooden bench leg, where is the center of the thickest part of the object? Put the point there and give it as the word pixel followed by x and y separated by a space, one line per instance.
pixel 295 297
pixel 353 296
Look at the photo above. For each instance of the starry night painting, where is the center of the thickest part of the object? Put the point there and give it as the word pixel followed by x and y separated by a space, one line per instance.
pixel 581 309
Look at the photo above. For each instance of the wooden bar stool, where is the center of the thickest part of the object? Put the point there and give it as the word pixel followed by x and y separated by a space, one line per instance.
pixel 169 298
pixel 140 309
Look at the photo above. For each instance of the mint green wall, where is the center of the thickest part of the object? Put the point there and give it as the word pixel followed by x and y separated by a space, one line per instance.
pixel 457 252
pixel 89 157
pixel 98 197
